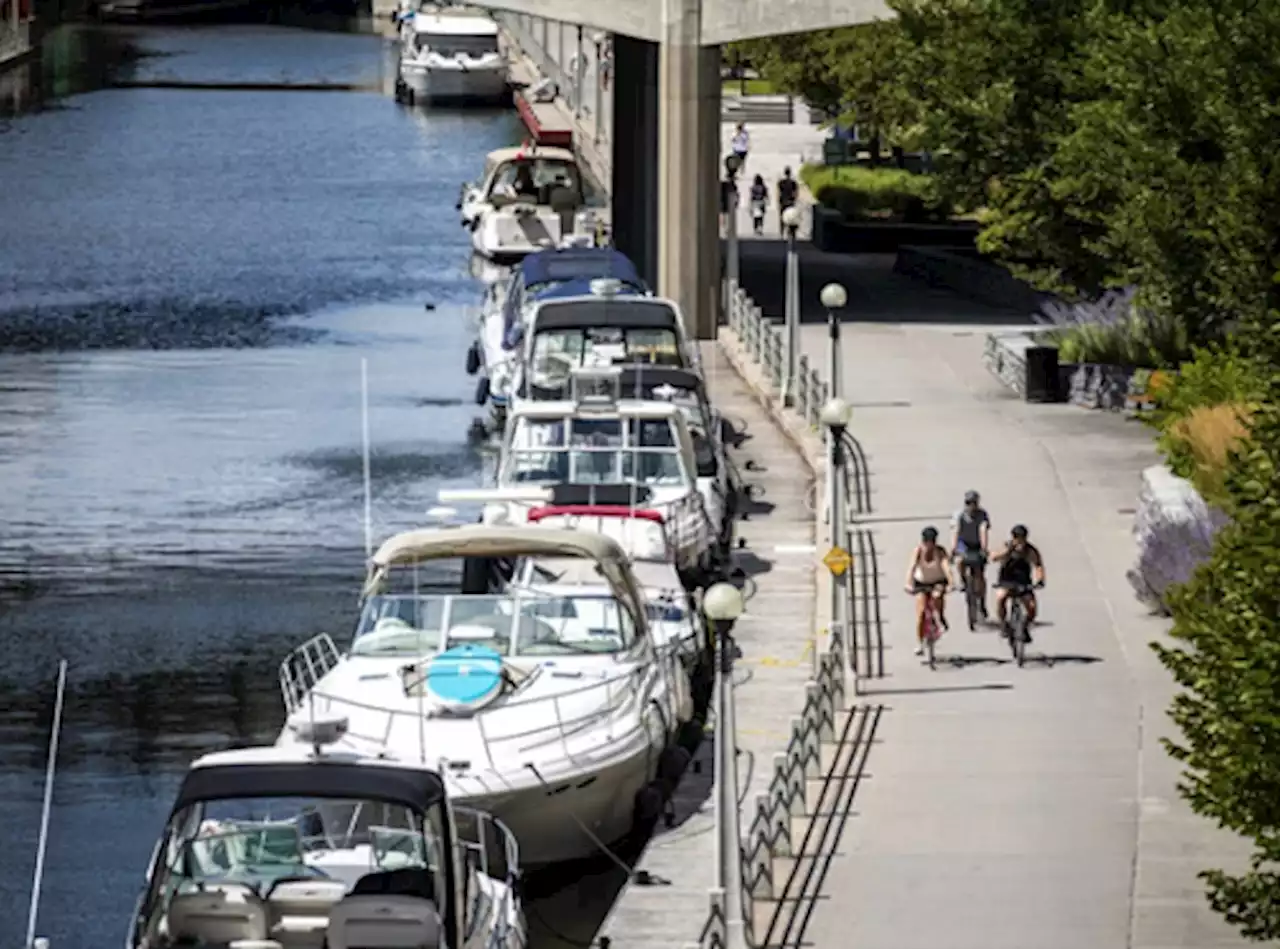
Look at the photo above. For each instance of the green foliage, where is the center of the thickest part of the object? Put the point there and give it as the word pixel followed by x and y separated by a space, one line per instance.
pixel 995 81
pixel 1226 657
pixel 870 193
pixel 1142 339
pixel 1169 162
pixel 1200 412
pixel 850 73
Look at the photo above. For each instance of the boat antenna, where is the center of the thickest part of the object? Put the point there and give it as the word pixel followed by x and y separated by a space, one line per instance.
pixel 368 477
pixel 37 877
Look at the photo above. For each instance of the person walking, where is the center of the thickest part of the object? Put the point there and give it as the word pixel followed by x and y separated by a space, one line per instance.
pixel 741 144
pixel 759 202
pixel 788 189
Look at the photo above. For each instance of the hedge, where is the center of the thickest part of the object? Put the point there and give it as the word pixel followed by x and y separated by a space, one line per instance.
pixel 876 193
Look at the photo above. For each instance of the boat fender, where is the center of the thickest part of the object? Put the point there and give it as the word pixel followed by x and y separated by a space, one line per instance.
pixel 482 391
pixel 473 359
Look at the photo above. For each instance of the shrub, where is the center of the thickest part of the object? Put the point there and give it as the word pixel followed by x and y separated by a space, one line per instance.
pixel 1113 331
pixel 1202 414
pixel 876 193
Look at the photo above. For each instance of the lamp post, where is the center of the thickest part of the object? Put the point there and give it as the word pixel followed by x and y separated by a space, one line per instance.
pixel 732 165
pixel 834 298
pixel 722 604
pixel 835 417
pixel 791 303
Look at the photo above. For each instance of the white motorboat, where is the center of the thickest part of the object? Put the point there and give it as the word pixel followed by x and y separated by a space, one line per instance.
pixel 531 198
pixel 642 534
pixel 451 58
pixel 598 449
pixel 305 846
pixel 507 307
pixel 557 714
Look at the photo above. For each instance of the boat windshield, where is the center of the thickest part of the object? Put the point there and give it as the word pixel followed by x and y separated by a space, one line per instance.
pixel 450 45
pixel 536 178
pixel 557 351
pixel 516 624
pixel 581 450
pixel 255 844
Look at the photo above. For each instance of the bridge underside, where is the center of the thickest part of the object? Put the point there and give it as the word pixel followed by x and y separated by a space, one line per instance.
pixel 666 124
pixel 722 21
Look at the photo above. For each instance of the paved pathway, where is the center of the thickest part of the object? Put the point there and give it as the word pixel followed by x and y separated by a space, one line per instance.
pixel 1024 808
pixel 773 148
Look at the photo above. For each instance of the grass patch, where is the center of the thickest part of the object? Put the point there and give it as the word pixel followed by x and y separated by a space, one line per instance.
pixel 747 87
pixel 876 194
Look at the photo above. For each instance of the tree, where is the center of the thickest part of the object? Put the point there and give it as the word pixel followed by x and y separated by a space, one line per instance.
pixel 1171 166
pixel 851 73
pixel 1227 659
pixel 995 82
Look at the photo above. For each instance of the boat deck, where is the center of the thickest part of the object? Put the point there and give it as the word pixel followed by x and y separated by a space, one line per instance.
pixel 545 122
pixel 670 907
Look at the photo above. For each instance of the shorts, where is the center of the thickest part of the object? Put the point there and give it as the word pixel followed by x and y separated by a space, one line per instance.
pixel 976 556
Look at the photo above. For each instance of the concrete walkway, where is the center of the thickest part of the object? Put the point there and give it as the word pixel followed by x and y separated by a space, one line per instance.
pixel 1024 808
pixel 773 148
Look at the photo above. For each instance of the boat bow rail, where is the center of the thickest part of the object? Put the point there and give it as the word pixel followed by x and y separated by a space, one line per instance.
pixel 503 729
pixel 303 668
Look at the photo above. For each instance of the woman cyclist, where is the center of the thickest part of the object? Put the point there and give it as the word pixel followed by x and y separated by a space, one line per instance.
pixel 928 575
pixel 1020 566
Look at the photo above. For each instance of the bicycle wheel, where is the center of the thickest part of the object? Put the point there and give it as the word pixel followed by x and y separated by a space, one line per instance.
pixel 1019 634
pixel 931 637
pixel 1013 627
pixel 971 598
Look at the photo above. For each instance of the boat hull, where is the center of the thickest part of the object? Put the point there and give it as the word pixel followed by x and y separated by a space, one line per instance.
pixel 551 821
pixel 437 85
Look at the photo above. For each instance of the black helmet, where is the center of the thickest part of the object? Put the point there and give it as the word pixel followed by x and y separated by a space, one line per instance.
pixel 929 534
pixel 1019 531
pixel 971 497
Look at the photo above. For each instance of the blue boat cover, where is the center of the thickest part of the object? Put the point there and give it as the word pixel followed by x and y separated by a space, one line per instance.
pixel 569 263
pixel 465 675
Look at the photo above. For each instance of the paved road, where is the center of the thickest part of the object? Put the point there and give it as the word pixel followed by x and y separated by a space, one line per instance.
pixel 1007 807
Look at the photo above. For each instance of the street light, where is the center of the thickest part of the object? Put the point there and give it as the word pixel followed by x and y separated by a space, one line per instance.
pixel 791 303
pixel 833 298
pixel 722 604
pixel 835 417
pixel 732 165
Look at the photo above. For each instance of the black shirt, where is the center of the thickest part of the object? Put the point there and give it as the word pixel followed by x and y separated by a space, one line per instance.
pixel 1017 566
pixel 787 192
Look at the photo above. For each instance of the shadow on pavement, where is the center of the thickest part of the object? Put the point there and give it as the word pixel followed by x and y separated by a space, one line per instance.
pixel 876 293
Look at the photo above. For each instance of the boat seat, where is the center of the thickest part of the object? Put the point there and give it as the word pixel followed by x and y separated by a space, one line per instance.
pixel 377 921
pixel 298 911
pixel 217 914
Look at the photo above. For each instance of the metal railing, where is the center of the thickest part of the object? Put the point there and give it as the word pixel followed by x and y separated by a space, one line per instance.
pixel 765 344
pixel 489 848
pixel 795 825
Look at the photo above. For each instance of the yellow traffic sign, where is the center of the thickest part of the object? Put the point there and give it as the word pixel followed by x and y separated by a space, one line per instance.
pixel 838 560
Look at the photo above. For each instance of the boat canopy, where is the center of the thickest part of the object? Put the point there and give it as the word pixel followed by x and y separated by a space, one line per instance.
pixel 444 25
pixel 621 312
pixel 416 546
pixel 573 263
pixel 329 777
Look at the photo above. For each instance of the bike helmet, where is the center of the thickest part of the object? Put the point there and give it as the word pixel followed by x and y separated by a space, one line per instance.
pixel 971 497
pixel 1019 531
pixel 929 534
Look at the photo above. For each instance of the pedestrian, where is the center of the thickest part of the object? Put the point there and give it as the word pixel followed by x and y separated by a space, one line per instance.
pixel 741 144
pixel 728 200
pixel 787 191
pixel 759 202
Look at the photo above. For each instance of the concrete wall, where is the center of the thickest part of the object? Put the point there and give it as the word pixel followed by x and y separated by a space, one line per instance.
pixel 15 40
pixel 722 20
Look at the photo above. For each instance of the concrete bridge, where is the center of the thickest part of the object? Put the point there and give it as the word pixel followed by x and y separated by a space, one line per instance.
pixel 666 133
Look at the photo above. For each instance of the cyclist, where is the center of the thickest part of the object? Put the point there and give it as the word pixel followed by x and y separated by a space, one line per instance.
pixel 1020 565
pixel 928 575
pixel 970 528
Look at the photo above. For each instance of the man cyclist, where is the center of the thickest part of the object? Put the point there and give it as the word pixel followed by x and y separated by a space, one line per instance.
pixel 970 529
pixel 1020 565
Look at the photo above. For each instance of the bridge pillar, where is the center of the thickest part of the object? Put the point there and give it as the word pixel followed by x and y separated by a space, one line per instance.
pixel 635 153
pixel 688 168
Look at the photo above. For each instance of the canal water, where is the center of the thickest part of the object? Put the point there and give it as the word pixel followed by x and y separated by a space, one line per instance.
pixel 189 281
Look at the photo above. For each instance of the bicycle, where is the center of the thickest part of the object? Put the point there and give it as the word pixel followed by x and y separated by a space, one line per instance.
pixel 971 571
pixel 932 631
pixel 1015 626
